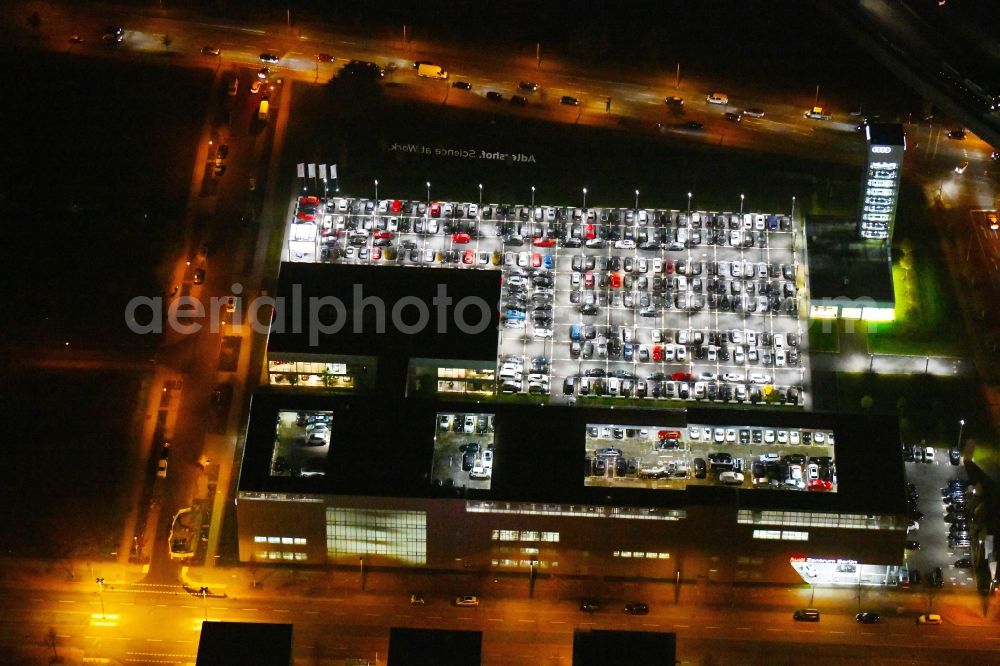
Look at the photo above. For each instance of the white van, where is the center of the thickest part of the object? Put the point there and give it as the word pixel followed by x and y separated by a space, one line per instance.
pixel 717 98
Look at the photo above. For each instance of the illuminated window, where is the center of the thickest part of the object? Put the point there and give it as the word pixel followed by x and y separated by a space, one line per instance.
pixel 529 536
pixel 510 535
pixel 260 539
pixel 529 551
pixel 271 539
pixel 301 556
pixel 787 535
pixel 550 536
pixel 288 541
pixel 767 534
pixel 299 541
pixel 853 521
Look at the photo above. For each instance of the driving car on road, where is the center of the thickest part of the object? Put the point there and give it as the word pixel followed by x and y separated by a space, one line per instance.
pixel 467 600
pixel 269 58
pixel 569 101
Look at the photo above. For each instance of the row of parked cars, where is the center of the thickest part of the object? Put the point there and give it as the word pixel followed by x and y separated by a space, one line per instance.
pixel 599 382
pixel 513 377
pixel 528 295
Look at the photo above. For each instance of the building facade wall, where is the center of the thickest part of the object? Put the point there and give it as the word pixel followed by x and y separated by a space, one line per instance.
pixel 706 544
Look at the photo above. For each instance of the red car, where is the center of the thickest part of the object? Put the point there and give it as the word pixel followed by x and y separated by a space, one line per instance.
pixel 544 242
pixel 307 208
pixel 460 237
pixel 615 280
pixel 669 434
pixel 681 376
pixel 376 253
pixel 468 257
pixel 396 205
pixel 670 266
pixel 820 484
pixel 657 353
pixel 536 260
pixel 435 209
pixel 590 233
pixel 588 280
pixel 383 234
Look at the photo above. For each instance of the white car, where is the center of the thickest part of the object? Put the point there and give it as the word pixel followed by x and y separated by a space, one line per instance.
pixel 813 471
pixel 480 472
pixel 819 437
pixel 717 98
pixel 656 335
pixel 769 436
pixel 759 378
pixel 467 600
pixel 779 340
pixel 731 436
pixel 731 478
pixel 782 437
pixel 929 454
pixel 540 332
pixel 793 437
pixel 625 244
pixel 523 259
pixel 732 377
pixel 720 435
pixel 694 433
pixel 473 211
pixel 428 256
pixel 432 226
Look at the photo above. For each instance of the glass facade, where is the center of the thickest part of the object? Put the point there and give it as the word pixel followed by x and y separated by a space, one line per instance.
pixel 576 510
pixel 850 521
pixel 398 535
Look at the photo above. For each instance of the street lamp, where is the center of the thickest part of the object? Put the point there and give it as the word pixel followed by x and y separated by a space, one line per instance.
pixel 204 599
pixel 532 196
pixel 741 204
pixel 428 193
pixel 480 195
pixel 585 198
pixel 793 206
pixel 961 426
pixel 100 593
pixel 637 199
pixel 376 189
pixel 689 202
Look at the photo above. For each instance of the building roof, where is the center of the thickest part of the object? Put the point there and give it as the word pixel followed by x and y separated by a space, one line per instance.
pixel 303 282
pixel 600 647
pixel 241 643
pixel 384 447
pixel 441 647
pixel 844 267
pixel 886 134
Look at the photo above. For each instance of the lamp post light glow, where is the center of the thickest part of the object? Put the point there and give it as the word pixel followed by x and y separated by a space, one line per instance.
pixel 480 195
pixel 585 198
pixel 100 593
pixel 376 189
pixel 204 599
pixel 428 193
pixel 689 202
pixel 741 204
pixel 961 427
pixel 637 199
pixel 532 196
pixel 793 206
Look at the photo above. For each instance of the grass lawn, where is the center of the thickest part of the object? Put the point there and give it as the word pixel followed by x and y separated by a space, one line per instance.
pixel 928 320
pixel 823 340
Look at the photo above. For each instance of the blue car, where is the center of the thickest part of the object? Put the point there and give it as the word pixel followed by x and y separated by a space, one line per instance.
pixel 575 332
pixel 627 351
pixel 514 314
pixel 548 260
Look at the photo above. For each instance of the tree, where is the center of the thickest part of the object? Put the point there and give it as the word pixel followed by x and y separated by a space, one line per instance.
pixel 866 402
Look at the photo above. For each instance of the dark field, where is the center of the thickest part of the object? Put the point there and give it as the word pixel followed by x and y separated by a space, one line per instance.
pixel 95 187
pixel 65 462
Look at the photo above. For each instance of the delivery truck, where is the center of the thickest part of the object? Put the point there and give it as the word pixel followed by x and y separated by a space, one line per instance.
pixel 262 110
pixel 431 71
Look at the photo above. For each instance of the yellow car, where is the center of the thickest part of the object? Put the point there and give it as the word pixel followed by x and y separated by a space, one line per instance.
pixel 929 618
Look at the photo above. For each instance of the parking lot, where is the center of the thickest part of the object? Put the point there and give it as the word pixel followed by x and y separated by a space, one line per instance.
pixel 940 520
pixel 604 304
pixel 668 458
pixel 301 444
pixel 463 451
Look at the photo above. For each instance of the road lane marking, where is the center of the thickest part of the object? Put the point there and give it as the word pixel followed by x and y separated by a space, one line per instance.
pixel 684 626
pixel 282 610
pixel 838 632
pixel 309 612
pixel 557 622
pixel 742 628
pixel 66 601
pixel 249 610
pixel 495 619
pixel 188 606
pixel 709 627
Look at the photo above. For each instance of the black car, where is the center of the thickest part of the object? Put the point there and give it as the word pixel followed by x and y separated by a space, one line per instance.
pixel 468 461
pixel 868 618
pixel 269 58
pixel 954 456
pixel 699 468
pixel 494 96
pixel 637 608
pixel 569 101
pixel 963 563
pixel 957 134
pixel 199 276
pixel 462 85
pixel 590 605
pixel 912 545
pixel 694 125
pixel 527 86
pixel 519 100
